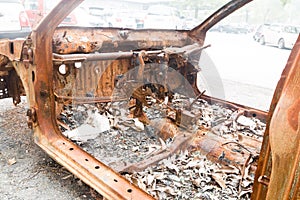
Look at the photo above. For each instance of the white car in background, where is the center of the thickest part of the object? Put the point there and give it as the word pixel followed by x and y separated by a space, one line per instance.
pixel 121 19
pixel 282 36
pixel 14 22
pixel 163 17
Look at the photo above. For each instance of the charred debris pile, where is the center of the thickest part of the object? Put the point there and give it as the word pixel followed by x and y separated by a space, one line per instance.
pixel 206 152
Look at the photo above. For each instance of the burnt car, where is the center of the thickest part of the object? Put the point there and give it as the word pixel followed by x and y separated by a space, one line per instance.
pixel 83 81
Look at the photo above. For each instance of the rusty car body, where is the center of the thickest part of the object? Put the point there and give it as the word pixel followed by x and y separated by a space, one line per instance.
pixel 31 67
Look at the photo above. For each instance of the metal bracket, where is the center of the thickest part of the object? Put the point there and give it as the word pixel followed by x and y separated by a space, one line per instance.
pixel 31 117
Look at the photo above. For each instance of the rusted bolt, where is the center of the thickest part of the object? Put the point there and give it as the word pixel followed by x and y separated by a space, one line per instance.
pixel 30 55
pixel 28 41
pixel 27 56
pixel 44 93
pixel 31 114
pixel 30 125
pixel 31 117
pixel 25 50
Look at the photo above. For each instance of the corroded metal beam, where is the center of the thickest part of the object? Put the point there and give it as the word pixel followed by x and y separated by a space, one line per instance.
pixel 102 178
pixel 280 154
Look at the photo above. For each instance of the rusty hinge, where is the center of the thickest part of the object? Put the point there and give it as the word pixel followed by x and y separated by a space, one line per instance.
pixel 31 117
pixel 27 53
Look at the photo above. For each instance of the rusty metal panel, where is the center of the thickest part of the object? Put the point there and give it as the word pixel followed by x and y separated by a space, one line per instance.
pixel 47 135
pixel 279 158
pixel 91 79
pixel 12 49
pixel 93 60
pixel 88 40
pixel 285 136
pixel 106 84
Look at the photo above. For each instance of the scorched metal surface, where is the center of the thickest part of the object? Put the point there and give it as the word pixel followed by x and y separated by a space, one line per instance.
pixel 56 67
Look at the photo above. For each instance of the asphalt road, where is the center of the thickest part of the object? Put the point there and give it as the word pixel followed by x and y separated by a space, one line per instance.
pixel 239 58
pixel 235 62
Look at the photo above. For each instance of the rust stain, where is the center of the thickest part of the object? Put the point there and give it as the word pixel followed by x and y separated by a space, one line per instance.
pixel 292 115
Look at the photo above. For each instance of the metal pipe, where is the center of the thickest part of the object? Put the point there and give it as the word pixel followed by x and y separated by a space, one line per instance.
pixel 92 57
pixel 86 100
pixel 100 56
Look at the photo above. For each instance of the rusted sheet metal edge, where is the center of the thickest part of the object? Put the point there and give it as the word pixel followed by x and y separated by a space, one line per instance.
pixel 46 130
pixel 92 57
pixel 248 111
pixel 94 173
pixel 12 49
pixel 88 100
pixel 264 162
pixel 110 40
pixel 285 137
pixel 217 16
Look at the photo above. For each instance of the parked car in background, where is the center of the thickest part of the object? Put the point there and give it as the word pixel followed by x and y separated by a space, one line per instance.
pixel 259 31
pixel 282 36
pixel 140 17
pixel 232 28
pixel 37 9
pixel 97 16
pixel 14 22
pixel 121 19
pixel 163 17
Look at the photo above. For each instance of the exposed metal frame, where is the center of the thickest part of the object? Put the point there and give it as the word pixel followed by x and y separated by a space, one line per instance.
pixel 46 134
pixel 277 175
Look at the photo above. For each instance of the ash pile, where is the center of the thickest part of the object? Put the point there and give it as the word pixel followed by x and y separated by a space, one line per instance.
pixel 206 152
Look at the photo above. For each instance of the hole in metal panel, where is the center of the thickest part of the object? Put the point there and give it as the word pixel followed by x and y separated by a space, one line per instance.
pixel 62 69
pixel 11 48
pixel 33 76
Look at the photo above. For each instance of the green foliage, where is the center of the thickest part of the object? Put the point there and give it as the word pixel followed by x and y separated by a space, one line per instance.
pixel 284 2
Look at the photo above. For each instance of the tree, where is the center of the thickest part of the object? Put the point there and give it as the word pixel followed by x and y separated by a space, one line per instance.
pixel 284 2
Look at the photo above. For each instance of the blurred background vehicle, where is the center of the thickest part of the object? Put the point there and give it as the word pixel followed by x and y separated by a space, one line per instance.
pixel 282 36
pixel 235 28
pixel 37 9
pixel 140 17
pixel 259 31
pixel 13 24
pixel 163 17
pixel 97 16
pixel 121 19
